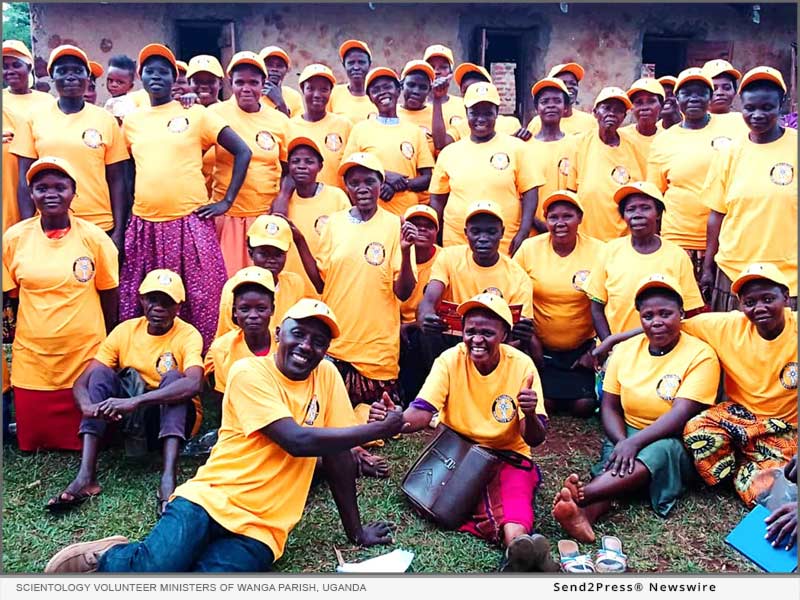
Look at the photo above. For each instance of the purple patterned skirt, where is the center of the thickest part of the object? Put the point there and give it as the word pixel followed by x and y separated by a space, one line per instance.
pixel 189 247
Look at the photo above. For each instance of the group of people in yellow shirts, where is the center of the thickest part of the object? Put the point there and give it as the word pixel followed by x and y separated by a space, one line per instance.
pixel 358 260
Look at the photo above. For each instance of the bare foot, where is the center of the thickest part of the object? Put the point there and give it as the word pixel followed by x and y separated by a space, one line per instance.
pixel 575 486
pixel 572 518
pixel 370 465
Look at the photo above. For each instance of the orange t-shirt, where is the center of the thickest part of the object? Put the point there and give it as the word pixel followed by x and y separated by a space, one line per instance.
pixel 292 98
pixel 27 105
pixel 167 143
pixel 408 309
pixel 423 119
pixel 354 108
pixel 643 143
pixel 329 133
pixel 89 139
pixel 265 133
pixel 11 124
pixel 310 215
pixel 553 159
pixel 504 124
pixel 223 352
pixel 60 322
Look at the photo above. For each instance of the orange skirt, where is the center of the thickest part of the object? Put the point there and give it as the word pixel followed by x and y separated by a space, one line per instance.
pixel 232 236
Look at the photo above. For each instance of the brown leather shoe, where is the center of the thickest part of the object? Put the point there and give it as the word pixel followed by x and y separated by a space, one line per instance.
pixel 82 557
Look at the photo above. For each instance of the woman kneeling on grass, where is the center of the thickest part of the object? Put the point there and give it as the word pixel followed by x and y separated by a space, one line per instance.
pixel 490 392
pixel 655 382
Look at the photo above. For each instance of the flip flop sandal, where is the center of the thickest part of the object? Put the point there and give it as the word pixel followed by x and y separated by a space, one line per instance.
pixel 572 561
pixel 610 558
pixel 57 503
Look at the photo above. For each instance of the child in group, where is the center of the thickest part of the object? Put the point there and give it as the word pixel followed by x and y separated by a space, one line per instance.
pixel 119 83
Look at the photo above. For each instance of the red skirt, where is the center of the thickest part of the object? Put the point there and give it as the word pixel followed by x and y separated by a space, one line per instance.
pixel 46 420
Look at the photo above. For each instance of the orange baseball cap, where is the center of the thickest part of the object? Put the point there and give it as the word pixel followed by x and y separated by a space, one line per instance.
pixel 164 281
pixel 492 302
pixel 762 74
pixel 270 230
pixel 275 51
pixel 303 141
pixel 350 45
pixel 18 49
pixel 96 69
pixel 67 50
pixel 571 67
pixel 418 65
pixel 548 82
pixel 638 187
pixel 253 274
pixel 692 74
pixel 717 67
pixel 245 57
pixel 157 50
pixel 316 70
pixel 646 84
pixel 561 196
pixel 766 271
pixel 613 93
pixel 380 72
pixel 481 91
pixel 658 280
pixel 468 67
pixel 308 308
pixel 47 163
pixel 438 50
pixel 204 63
pixel 422 210
pixel 667 80
pixel 362 159
pixel 182 66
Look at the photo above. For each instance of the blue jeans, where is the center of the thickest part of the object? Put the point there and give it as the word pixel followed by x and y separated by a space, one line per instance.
pixel 186 538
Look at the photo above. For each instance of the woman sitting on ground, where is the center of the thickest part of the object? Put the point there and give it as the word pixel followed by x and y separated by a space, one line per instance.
pixel 488 391
pixel 655 383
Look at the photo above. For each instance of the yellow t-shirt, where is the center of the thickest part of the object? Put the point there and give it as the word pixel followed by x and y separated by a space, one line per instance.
pixel 89 139
pixel 731 125
pixel 597 171
pixel 615 280
pixel 330 134
pixel 401 148
pixel 561 309
pixel 288 291
pixel 167 143
pixel 506 124
pixel 359 262
pixel 499 170
pixel 553 158
pixel 463 278
pixel 354 108
pixel 292 98
pixel 760 374
pixel 223 352
pixel 27 105
pixel 60 322
pixel 578 122
pixel 647 385
pixel 755 187
pixel 643 143
pixel 483 407
pixel 408 309
pixel 250 485
pixel 423 119
pixel 310 215
pixel 680 174
pixel 265 133
pixel 11 124
pixel 453 111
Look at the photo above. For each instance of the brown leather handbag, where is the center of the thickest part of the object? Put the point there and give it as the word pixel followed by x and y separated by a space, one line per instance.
pixel 446 481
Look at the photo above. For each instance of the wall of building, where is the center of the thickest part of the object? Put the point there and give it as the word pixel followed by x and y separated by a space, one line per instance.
pixel 605 38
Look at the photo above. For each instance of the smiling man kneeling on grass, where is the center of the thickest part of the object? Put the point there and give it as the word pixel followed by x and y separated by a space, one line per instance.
pixel 279 413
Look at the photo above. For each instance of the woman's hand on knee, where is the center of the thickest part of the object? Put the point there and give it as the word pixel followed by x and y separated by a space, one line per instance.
pixel 623 458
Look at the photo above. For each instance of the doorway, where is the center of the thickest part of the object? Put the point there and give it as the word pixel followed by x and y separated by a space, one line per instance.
pixel 663 55
pixel 504 53
pixel 216 38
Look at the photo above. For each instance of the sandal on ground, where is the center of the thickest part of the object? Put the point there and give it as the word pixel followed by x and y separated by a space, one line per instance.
pixel 58 502
pixel 161 503
pixel 572 561
pixel 610 558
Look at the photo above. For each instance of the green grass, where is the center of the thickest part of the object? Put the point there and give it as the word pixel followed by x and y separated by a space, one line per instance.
pixel 689 541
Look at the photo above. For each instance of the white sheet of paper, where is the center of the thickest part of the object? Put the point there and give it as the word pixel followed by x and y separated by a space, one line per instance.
pixel 397 561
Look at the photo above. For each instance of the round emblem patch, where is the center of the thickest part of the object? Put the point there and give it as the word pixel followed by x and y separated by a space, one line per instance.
pixel 178 125
pixel 333 142
pixel 8 137
pixel 375 254
pixel 321 221
pixel 164 279
pixel 503 409
pixel 455 120
pixel 92 138
pixel 667 387
pixel 312 412
pixel 493 291
pixel 165 363
pixel 563 166
pixel 620 175
pixel 500 161
pixel 407 150
pixel 83 269
pixel 579 279
pixel 789 376
pixel 782 174
pixel 265 140
pixel 720 142
pixel 272 228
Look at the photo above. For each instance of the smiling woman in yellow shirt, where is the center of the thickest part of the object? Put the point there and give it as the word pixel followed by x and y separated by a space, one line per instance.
pixel 264 130
pixel 17 68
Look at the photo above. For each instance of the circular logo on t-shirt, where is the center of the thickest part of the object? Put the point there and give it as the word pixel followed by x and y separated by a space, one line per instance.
pixel 265 140
pixel 782 174
pixel 720 142
pixel 500 161
pixel 620 175
pixel 8 136
pixel 333 142
pixel 789 376
pixel 455 120
pixel 312 412
pixel 563 166
pixel 667 387
pixel 579 279
pixel 165 363
pixel 92 138
pixel 178 124
pixel 321 221
pixel 407 150
pixel 83 269
pixel 493 291
pixel 503 409
pixel 375 253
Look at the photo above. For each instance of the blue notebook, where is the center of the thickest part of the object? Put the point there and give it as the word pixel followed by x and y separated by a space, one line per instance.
pixel 748 539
